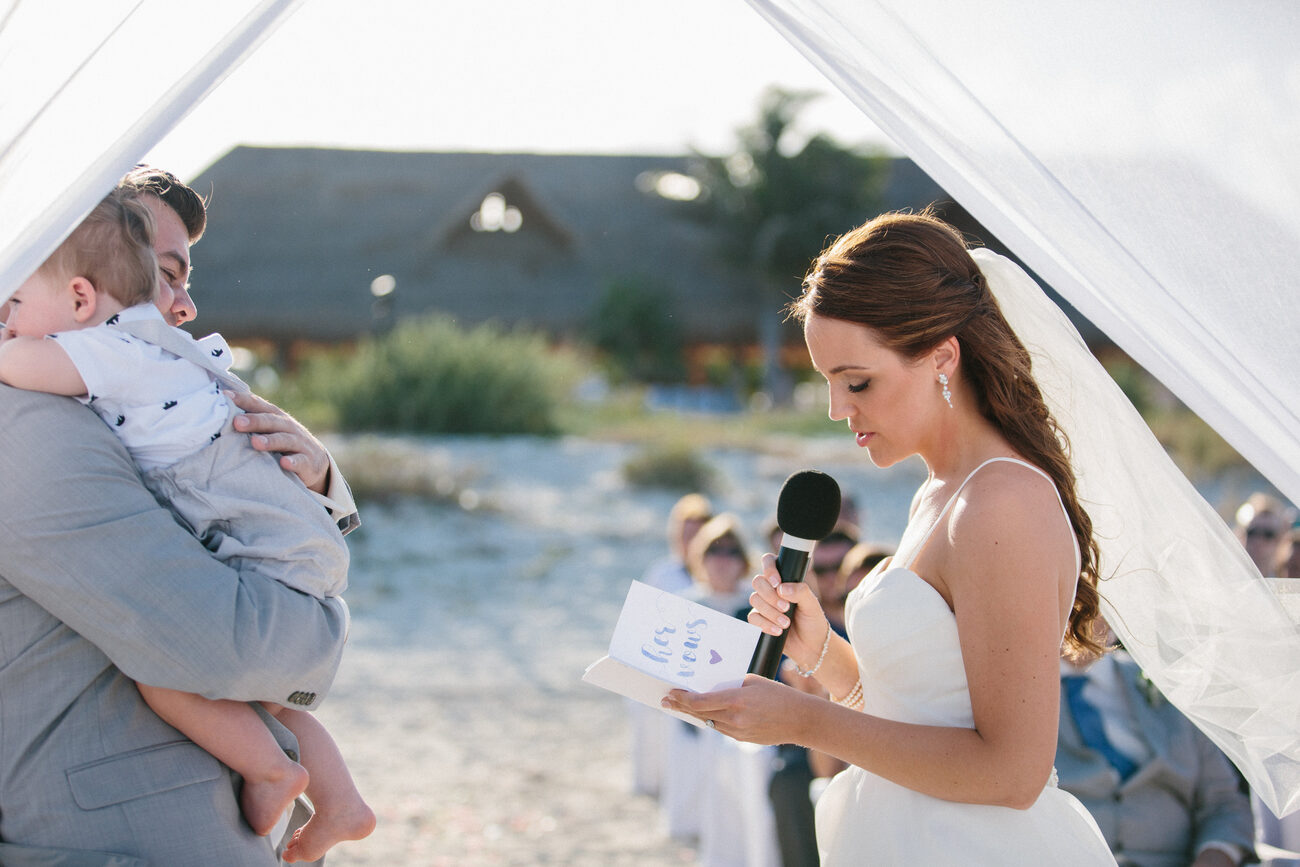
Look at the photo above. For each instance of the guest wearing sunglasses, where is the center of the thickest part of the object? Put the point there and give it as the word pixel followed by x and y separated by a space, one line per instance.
pixel 824 571
pixel 1264 526
pixel 1263 522
pixel 720 566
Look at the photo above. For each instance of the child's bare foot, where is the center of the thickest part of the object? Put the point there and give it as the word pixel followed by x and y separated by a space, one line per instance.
pixel 310 842
pixel 264 800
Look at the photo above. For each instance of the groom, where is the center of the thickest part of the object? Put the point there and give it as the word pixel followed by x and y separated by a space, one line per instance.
pixel 99 587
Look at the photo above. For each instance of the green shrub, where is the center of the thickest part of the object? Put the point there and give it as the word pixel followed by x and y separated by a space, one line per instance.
pixel 431 376
pixel 674 466
pixel 1132 380
pixel 633 326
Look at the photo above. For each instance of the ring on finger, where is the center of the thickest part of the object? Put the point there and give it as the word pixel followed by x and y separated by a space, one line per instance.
pixel 709 723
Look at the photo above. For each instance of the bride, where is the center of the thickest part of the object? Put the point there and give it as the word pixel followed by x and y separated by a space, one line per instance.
pixel 945 702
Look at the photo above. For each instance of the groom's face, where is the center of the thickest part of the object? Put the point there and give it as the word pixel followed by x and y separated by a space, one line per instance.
pixel 172 246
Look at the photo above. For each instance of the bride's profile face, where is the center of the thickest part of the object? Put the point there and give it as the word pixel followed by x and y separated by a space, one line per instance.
pixel 885 398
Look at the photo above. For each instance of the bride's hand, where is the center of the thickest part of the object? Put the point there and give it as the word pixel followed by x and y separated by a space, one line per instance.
pixel 761 711
pixel 771 602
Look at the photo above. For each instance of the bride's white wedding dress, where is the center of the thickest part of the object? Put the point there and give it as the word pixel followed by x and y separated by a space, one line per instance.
pixel 905 639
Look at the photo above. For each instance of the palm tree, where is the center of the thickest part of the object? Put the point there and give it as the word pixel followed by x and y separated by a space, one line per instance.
pixel 775 208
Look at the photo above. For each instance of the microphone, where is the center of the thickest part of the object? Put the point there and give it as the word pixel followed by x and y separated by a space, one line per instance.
pixel 806 512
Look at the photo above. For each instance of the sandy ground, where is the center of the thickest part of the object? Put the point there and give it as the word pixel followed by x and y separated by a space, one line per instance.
pixel 459 703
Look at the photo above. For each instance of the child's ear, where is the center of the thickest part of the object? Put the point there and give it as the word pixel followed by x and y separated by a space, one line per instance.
pixel 84 298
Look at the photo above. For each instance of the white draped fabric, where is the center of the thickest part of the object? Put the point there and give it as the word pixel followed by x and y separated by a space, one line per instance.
pixel 1142 159
pixel 86 88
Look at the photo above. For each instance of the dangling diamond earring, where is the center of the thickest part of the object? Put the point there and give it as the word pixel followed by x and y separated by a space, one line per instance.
pixel 947 394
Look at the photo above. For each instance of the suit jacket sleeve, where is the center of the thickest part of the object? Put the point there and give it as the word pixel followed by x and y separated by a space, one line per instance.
pixel 1222 809
pixel 83 538
pixel 338 500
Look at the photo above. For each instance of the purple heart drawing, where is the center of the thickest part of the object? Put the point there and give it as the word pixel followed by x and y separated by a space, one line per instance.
pixel 714 657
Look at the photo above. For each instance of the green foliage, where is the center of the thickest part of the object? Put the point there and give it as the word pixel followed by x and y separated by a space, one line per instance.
pixel 1133 381
pixel 430 376
pixel 674 466
pixel 777 204
pixel 1194 445
pixel 635 330
pixel 777 207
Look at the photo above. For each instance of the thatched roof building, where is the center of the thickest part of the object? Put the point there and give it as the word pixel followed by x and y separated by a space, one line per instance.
pixel 296 236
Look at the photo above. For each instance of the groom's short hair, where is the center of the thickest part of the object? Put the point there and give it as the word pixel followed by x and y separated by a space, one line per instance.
pixel 173 192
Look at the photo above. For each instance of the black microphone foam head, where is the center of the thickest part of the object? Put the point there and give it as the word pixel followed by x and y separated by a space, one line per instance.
pixel 809 505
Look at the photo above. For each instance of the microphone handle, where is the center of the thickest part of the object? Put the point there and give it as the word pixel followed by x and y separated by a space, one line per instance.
pixel 792 565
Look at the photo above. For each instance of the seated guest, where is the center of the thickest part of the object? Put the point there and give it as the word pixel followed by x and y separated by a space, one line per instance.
pixel 649 727
pixel 1264 527
pixel 824 570
pixel 858 563
pixel 720 569
pixel 720 566
pixel 1161 792
pixel 669 573
pixel 1289 563
pixel 1262 524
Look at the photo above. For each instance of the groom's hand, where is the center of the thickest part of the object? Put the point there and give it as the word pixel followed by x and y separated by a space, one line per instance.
pixel 271 429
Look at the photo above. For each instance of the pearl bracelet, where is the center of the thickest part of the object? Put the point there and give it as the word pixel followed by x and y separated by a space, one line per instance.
pixel 853 700
pixel 825 644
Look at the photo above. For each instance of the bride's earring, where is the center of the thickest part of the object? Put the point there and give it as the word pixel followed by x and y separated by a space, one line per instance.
pixel 947 393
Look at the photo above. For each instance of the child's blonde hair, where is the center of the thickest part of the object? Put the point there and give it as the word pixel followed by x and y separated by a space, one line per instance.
pixel 113 249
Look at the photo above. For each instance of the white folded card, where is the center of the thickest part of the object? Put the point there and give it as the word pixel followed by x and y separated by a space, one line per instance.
pixel 663 642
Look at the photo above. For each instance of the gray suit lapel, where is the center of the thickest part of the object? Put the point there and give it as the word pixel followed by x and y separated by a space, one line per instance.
pixel 1150 726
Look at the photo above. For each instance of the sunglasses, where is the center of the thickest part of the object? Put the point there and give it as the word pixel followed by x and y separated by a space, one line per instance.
pixel 723 551
pixel 1268 534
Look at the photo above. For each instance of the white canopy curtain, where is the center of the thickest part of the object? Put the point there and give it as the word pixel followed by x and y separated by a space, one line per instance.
pixel 86 88
pixel 1141 157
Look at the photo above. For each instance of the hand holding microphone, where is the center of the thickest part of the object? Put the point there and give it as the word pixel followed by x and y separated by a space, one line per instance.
pixel 806 512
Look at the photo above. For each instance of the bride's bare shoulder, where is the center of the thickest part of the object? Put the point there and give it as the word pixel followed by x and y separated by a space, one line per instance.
pixel 1009 513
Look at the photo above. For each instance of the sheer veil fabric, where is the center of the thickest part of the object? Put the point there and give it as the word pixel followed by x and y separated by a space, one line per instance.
pixel 1176 584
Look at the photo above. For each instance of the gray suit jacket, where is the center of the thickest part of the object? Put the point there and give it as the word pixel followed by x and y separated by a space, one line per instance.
pixel 1187 794
pixel 99 584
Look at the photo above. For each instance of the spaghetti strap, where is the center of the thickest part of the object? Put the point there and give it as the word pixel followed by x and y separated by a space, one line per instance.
pixel 925 540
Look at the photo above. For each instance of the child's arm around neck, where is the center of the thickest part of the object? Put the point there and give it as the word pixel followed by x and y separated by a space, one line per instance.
pixel 37 364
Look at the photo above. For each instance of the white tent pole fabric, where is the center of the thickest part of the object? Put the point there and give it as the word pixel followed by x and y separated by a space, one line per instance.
pixel 87 88
pixel 1141 160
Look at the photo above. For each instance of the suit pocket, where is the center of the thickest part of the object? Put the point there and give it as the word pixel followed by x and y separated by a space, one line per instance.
pixel 140 773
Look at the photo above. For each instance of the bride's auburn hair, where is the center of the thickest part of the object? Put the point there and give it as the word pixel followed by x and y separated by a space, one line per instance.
pixel 910 279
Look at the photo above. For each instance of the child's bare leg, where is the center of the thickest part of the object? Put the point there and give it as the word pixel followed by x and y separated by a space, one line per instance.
pixel 341 812
pixel 235 735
